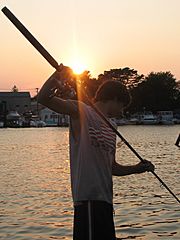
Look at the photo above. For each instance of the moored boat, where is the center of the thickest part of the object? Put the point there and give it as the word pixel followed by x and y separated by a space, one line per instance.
pixel 165 117
pixel 147 118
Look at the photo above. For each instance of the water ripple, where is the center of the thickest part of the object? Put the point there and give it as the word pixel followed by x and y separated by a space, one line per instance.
pixel 35 200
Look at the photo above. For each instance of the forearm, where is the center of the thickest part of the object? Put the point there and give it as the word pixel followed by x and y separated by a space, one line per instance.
pixel 142 166
pixel 121 170
pixel 47 90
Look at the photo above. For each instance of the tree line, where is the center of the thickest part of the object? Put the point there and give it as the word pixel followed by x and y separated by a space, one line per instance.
pixel 158 91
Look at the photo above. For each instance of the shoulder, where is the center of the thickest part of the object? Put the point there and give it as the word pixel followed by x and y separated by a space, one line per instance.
pixel 77 108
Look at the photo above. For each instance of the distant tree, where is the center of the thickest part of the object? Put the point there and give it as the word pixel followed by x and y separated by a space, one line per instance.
pixel 129 77
pixel 158 91
pixel 88 84
pixel 14 89
pixel 177 96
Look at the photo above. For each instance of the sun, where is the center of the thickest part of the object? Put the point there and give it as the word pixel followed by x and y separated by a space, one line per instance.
pixel 78 67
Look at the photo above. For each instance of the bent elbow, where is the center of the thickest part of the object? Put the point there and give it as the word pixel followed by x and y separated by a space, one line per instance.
pixel 42 100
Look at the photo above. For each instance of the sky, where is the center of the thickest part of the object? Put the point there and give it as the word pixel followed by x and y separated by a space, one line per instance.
pixel 98 34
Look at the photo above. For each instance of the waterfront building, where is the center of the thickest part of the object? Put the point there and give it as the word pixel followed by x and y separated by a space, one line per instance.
pixel 52 118
pixel 16 101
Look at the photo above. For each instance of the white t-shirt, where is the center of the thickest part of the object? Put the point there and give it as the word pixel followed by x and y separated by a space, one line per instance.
pixel 91 157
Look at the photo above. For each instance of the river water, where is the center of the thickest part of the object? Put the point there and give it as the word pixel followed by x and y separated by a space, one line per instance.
pixel 35 195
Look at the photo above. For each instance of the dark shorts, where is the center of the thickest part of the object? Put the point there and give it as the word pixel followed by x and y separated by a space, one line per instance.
pixel 93 220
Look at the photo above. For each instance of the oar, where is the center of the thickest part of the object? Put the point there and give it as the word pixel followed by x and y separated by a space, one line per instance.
pixel 54 64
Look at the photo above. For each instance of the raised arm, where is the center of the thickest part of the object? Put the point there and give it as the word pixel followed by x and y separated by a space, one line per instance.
pixel 48 98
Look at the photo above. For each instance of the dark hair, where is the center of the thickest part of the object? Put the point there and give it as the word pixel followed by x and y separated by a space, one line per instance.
pixel 110 90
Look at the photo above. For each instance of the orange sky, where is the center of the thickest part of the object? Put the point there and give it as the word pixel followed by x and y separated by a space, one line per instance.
pixel 101 34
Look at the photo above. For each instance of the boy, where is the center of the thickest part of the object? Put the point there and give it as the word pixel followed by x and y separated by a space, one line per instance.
pixel 92 154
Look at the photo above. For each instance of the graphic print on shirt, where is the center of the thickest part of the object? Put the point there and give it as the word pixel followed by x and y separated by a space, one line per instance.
pixel 102 136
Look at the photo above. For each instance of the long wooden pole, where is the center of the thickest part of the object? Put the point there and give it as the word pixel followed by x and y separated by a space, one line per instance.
pixel 178 141
pixel 54 64
pixel 30 37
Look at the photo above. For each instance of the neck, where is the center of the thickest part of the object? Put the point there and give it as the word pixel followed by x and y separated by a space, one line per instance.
pixel 103 107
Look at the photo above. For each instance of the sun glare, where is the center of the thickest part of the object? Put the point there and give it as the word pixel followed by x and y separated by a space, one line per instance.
pixel 78 67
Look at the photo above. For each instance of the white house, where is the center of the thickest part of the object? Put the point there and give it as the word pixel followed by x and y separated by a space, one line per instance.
pixel 52 118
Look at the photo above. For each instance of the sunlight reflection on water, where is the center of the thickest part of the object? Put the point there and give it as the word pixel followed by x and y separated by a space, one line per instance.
pixel 35 201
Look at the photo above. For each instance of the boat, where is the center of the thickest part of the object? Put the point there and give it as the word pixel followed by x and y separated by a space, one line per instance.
pixel 133 121
pixel 147 118
pixel 165 117
pixel 120 121
pixel 14 119
pixel 37 123
pixel 176 120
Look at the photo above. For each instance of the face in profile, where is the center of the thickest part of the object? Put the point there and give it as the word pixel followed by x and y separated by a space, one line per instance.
pixel 116 108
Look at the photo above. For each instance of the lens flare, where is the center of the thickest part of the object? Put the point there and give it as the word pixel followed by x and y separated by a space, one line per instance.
pixel 78 67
